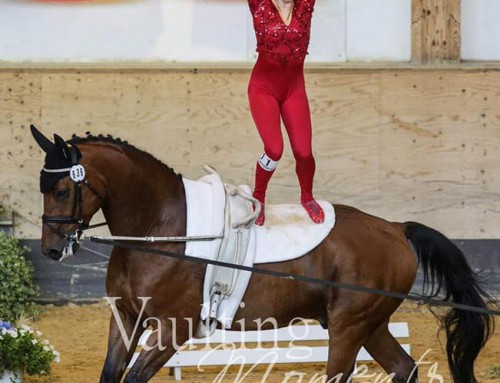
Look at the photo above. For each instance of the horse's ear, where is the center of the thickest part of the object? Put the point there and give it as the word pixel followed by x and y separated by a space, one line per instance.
pixel 42 141
pixel 63 146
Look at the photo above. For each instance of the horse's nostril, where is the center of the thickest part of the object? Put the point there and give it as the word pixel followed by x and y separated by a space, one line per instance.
pixel 53 254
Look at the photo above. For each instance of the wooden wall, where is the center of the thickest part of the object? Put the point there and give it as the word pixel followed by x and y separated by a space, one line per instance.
pixel 436 31
pixel 406 144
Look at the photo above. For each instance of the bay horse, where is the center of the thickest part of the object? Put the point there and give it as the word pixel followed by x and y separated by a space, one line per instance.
pixel 141 196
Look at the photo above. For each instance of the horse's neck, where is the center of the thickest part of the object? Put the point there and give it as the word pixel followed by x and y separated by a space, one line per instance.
pixel 145 202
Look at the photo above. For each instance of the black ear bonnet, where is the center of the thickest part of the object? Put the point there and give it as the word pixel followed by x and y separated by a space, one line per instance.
pixel 59 158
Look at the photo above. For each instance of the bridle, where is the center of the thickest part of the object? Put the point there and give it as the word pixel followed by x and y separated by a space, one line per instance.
pixel 77 175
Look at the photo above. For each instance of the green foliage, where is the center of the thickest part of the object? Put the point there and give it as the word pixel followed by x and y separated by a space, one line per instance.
pixel 16 281
pixel 22 350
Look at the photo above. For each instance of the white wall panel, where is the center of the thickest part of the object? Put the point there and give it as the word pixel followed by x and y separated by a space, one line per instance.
pixel 378 30
pixel 170 30
pixel 480 29
pixel 328 31
pixel 191 30
pixel 204 30
pixel 54 31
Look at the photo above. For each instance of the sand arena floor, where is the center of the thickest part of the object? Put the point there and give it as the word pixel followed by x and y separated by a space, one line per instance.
pixel 79 333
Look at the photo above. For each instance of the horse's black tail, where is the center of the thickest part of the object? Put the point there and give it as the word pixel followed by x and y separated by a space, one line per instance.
pixel 446 271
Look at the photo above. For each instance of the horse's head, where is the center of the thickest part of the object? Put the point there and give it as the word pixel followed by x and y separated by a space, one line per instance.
pixel 70 199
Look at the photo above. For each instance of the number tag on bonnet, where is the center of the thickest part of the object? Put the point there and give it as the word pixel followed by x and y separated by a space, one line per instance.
pixel 77 173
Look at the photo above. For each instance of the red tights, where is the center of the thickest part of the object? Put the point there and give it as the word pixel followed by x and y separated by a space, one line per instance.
pixel 275 91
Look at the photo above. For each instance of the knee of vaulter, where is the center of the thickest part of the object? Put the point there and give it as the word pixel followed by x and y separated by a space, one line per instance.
pixel 303 156
pixel 274 153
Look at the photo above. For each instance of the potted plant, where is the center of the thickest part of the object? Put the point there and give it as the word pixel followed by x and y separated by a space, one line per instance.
pixel 22 350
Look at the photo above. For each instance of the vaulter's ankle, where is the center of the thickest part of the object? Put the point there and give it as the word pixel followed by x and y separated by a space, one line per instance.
pixel 262 216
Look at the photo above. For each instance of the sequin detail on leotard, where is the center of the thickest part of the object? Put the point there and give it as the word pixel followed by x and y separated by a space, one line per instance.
pixel 284 44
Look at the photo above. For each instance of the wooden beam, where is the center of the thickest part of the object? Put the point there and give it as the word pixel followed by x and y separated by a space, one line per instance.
pixel 435 31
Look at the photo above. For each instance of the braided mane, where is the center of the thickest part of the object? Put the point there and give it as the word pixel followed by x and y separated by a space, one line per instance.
pixel 90 138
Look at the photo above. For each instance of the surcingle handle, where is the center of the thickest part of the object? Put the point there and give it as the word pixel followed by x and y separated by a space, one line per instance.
pixel 249 220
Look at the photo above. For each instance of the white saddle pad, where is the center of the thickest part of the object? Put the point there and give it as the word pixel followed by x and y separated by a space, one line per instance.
pixel 288 233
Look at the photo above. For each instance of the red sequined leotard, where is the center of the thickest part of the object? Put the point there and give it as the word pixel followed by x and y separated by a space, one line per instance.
pixel 286 44
pixel 277 90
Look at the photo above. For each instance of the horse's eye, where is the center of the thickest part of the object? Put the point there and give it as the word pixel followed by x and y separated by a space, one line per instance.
pixel 62 194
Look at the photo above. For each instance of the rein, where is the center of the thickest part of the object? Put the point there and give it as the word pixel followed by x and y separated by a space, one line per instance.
pixel 300 278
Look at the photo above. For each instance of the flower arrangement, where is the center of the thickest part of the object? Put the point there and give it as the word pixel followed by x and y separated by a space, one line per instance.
pixel 22 350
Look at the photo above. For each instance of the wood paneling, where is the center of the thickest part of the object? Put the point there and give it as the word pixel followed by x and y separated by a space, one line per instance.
pixel 435 31
pixel 405 144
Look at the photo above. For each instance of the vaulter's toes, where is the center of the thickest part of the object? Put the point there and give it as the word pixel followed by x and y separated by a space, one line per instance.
pixel 314 210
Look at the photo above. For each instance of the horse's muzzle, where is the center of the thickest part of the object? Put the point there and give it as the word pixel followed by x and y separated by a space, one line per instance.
pixel 54 254
pixel 67 251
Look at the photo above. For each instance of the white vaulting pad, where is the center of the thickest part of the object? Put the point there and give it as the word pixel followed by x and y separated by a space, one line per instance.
pixel 289 233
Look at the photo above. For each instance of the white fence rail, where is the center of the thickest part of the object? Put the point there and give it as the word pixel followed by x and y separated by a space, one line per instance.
pixel 229 347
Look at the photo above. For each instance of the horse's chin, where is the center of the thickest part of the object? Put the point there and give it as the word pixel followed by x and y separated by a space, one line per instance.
pixel 60 255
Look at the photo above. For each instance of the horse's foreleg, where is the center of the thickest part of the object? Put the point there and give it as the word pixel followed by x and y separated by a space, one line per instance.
pixel 121 347
pixel 391 356
pixel 159 349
